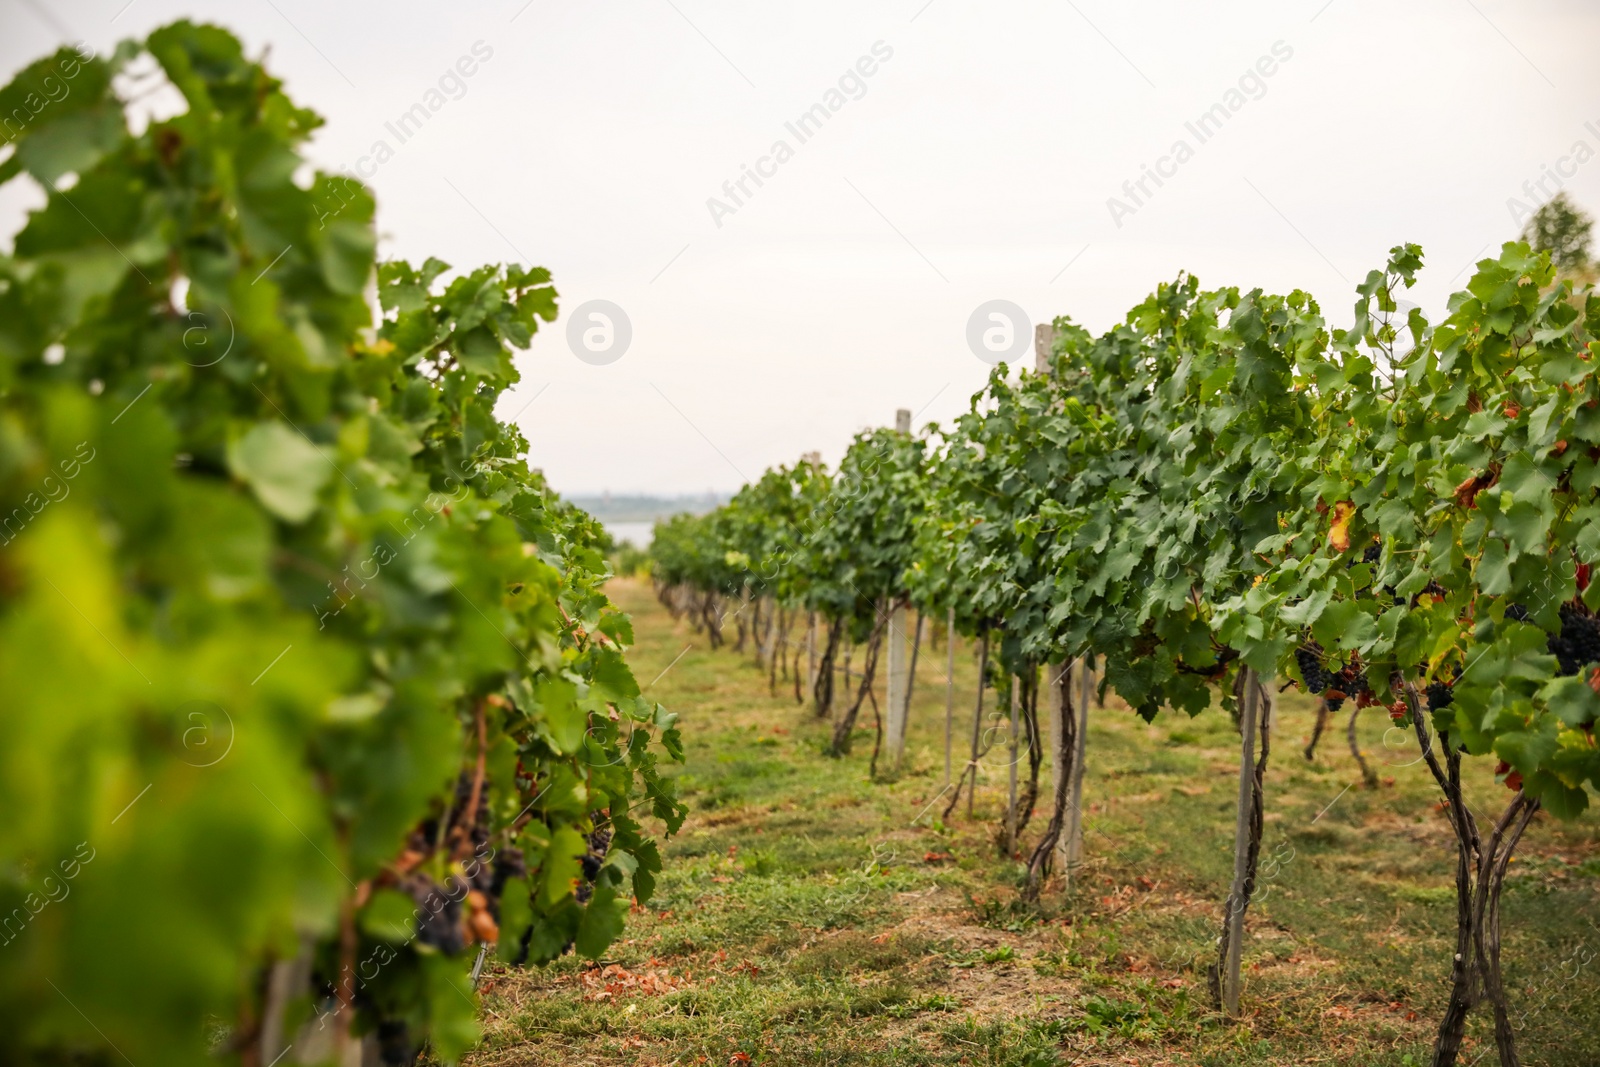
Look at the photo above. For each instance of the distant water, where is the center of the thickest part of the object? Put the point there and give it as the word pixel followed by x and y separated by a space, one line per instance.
pixel 637 532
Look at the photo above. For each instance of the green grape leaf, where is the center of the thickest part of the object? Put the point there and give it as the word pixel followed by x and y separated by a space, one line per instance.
pixel 284 469
pixel 561 868
pixel 603 917
pixel 516 915
pixel 389 916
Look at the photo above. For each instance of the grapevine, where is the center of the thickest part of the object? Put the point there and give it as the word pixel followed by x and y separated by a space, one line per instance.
pixel 1224 488
pixel 310 660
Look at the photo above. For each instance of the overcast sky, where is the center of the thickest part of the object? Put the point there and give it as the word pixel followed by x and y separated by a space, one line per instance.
pixel 976 161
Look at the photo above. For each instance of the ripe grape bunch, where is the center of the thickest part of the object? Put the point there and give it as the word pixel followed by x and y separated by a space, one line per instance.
pixel 1316 675
pixel 1578 643
pixel 1336 684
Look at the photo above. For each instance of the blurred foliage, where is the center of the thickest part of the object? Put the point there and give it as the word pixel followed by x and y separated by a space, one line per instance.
pixel 311 684
pixel 630 560
pixel 1564 230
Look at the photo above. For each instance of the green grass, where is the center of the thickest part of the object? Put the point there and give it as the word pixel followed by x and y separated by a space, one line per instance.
pixel 806 917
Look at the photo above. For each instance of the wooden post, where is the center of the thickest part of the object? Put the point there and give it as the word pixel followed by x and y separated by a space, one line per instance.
pixel 1239 894
pixel 1011 803
pixel 949 690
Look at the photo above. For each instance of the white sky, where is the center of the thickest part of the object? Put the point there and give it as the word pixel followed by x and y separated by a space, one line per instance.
pixel 976 166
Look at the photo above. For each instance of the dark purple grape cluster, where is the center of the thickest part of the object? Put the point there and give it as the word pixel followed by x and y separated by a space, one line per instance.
pixel 1351 682
pixel 1516 613
pixel 1578 643
pixel 439 921
pixel 592 861
pixel 599 841
pixel 1440 695
pixel 509 863
pixel 1311 668
pixel 397 1046
pixel 1371 555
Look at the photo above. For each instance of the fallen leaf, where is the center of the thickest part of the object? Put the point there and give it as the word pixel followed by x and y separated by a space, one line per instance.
pixel 614 980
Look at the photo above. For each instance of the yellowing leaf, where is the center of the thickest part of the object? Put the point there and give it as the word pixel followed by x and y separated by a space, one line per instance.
pixel 1339 531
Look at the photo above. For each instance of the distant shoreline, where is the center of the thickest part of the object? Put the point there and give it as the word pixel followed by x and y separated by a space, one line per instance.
pixel 638 508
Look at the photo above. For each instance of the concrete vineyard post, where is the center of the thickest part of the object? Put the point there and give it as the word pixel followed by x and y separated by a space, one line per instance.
pixel 899 683
pixel 811 652
pixel 949 689
pixel 1255 718
pixel 1074 834
pixel 911 682
pixel 894 733
pixel 1070 844
pixel 977 719
pixel 1011 802
pixel 1060 763
pixel 849 646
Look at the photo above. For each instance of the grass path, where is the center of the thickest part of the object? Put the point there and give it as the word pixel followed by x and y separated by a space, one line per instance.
pixel 808 917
